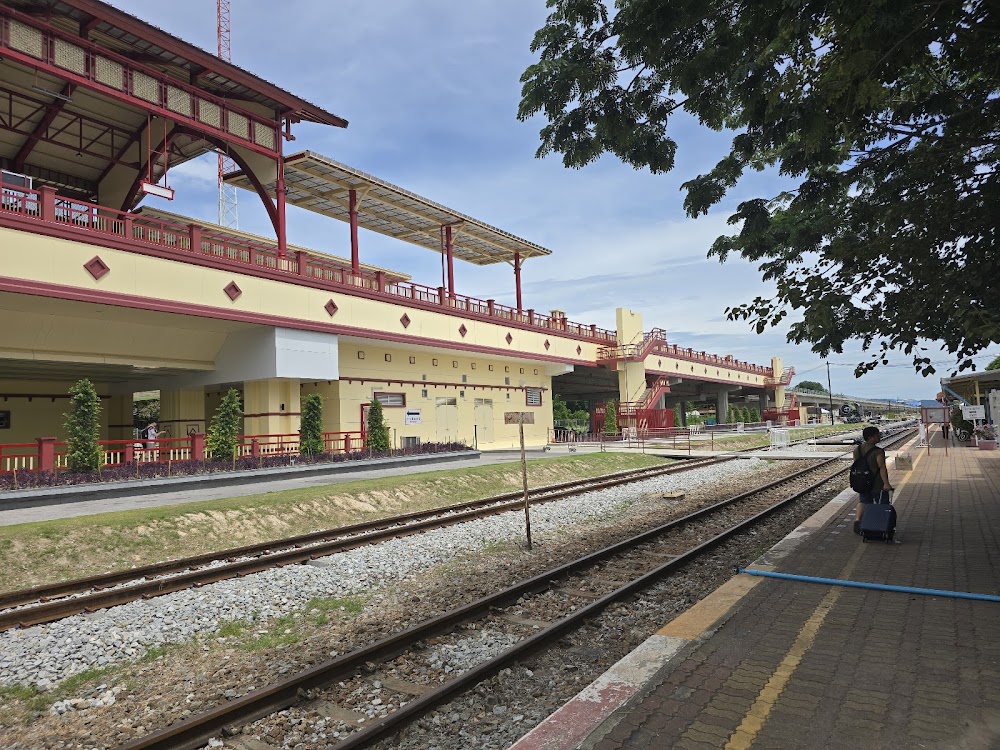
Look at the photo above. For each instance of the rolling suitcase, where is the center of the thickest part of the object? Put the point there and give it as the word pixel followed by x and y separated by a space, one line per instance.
pixel 879 522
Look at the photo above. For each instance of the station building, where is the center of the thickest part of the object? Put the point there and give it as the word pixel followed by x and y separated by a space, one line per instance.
pixel 96 107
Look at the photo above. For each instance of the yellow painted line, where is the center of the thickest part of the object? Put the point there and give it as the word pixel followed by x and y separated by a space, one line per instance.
pixel 703 615
pixel 768 696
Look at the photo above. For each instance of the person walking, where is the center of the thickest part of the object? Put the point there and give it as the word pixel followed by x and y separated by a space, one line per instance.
pixel 875 457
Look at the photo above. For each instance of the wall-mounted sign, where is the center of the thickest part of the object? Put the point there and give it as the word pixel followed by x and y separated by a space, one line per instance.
pixel 413 416
pixel 4 420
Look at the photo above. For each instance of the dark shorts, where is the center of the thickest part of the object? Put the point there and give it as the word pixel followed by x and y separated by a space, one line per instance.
pixel 868 498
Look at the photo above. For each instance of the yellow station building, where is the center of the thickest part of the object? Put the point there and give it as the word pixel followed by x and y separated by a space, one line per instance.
pixel 97 106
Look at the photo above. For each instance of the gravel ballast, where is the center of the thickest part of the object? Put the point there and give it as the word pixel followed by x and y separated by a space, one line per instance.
pixel 47 654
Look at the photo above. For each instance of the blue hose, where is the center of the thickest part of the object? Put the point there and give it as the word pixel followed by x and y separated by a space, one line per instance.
pixel 876 586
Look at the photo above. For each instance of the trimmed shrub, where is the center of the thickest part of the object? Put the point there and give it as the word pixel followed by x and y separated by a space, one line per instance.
pixel 378 430
pixel 311 432
pixel 227 424
pixel 611 419
pixel 83 427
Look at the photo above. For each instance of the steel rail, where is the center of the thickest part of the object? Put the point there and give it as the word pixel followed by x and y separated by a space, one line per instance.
pixel 289 551
pixel 195 731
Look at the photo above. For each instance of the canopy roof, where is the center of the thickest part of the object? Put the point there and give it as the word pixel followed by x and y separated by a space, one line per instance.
pixel 149 45
pixel 966 385
pixel 322 185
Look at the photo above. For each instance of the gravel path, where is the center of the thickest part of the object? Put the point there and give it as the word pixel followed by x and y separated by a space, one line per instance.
pixel 47 654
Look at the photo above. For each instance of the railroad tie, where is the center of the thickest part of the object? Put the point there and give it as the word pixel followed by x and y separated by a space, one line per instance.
pixel 539 624
pixel 334 712
pixel 403 686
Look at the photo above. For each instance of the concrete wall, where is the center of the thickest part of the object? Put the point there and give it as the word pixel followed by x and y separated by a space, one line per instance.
pixel 37 409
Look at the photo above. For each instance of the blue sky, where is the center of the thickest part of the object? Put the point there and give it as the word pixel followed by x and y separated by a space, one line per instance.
pixel 431 89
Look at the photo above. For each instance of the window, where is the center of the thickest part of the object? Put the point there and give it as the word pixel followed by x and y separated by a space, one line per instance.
pixel 390 400
pixel 423 393
pixel 533 396
pixel 434 362
pixel 388 358
pixel 491 368
pixel 522 371
pixel 454 363
pixel 506 381
pixel 465 378
pixel 411 442
pixel 361 355
pixel 413 360
pixel 473 365
pixel 506 368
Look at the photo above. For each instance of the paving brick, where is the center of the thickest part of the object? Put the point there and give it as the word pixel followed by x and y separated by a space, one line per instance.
pixel 885 670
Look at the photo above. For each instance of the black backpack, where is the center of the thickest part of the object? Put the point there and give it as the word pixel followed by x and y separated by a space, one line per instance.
pixel 862 476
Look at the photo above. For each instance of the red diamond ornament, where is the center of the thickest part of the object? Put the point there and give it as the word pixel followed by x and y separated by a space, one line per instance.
pixel 97 267
pixel 579 349
pixel 405 320
pixel 547 345
pixel 331 308
pixel 463 330
pixel 509 338
pixel 232 290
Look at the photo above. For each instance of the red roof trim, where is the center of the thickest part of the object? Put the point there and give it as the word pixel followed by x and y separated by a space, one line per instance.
pixel 127 22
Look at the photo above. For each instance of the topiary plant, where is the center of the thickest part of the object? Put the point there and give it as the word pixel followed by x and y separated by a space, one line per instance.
pixel 311 431
pixel 227 424
pixel 611 419
pixel 378 430
pixel 83 427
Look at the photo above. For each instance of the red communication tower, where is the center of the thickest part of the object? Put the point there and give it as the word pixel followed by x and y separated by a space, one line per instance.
pixel 228 213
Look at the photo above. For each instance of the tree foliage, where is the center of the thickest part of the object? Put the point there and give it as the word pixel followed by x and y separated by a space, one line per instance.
pixel 995 364
pixel 311 425
pixel 83 427
pixel 885 113
pixel 811 385
pixel 378 430
pixel 227 424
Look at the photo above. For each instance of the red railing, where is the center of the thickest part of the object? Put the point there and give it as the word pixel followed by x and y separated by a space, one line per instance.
pixel 258 258
pixel 49 454
pixel 785 379
pixel 655 342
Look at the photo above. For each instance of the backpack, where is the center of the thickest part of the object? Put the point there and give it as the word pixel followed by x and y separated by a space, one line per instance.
pixel 862 476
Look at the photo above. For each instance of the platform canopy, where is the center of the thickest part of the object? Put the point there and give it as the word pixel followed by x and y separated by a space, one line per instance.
pixel 94 102
pixel 973 386
pixel 320 184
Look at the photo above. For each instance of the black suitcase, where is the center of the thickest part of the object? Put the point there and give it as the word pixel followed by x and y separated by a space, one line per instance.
pixel 878 522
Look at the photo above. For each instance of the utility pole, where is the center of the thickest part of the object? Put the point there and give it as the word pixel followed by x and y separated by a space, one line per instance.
pixel 228 212
pixel 829 390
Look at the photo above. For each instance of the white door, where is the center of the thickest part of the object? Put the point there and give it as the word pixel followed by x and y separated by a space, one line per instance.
pixel 446 413
pixel 484 420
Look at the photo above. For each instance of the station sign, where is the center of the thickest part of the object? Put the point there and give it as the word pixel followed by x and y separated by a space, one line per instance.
pixel 973 413
pixel 413 416
pixel 519 417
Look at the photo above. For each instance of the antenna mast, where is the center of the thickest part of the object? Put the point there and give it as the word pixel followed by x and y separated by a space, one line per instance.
pixel 228 213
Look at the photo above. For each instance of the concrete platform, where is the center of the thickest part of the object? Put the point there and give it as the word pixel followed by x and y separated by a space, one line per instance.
pixel 767 663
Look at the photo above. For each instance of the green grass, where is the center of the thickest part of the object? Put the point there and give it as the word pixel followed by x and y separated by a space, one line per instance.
pixel 48 551
pixel 24 702
pixel 319 608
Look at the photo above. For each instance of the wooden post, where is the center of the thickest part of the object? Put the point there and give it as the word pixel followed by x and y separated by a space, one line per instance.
pixel 521 418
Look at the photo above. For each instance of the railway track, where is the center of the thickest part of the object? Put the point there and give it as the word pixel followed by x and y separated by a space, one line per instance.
pixel 546 607
pixel 49 603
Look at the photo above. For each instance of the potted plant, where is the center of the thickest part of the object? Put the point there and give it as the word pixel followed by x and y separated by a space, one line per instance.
pixel 987 435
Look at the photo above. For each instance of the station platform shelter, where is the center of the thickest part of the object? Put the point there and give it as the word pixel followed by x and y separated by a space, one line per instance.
pixel 96 284
pixel 778 663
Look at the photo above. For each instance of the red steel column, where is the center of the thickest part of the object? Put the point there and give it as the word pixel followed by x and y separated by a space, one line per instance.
pixel 355 260
pixel 517 278
pixel 451 267
pixel 279 190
